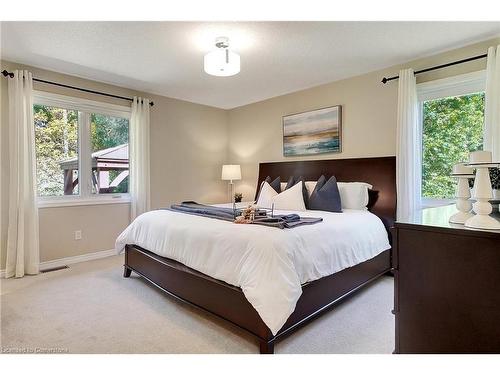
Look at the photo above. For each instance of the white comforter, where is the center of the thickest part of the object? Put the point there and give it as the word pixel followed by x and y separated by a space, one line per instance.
pixel 268 264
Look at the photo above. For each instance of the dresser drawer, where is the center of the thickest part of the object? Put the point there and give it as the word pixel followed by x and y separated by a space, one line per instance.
pixel 447 292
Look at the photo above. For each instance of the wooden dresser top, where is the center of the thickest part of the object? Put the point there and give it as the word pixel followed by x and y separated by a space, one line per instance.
pixel 436 219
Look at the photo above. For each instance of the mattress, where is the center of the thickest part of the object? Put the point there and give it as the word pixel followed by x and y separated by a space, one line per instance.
pixel 268 264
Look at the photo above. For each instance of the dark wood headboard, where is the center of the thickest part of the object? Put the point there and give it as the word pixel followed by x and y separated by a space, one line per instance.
pixel 379 172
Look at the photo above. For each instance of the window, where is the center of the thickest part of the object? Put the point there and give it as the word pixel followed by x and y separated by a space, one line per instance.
pixel 82 154
pixel 452 125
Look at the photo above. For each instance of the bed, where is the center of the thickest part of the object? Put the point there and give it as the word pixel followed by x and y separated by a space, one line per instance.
pixel 273 305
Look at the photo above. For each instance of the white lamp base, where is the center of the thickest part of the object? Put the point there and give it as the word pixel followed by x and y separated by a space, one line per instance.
pixel 461 217
pixel 482 222
pixel 482 193
pixel 464 205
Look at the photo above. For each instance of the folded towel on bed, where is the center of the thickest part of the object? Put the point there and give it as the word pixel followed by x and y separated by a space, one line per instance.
pixel 229 214
pixel 286 221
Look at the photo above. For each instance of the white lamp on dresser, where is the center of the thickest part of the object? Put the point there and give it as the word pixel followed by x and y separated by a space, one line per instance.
pixel 481 161
pixel 464 205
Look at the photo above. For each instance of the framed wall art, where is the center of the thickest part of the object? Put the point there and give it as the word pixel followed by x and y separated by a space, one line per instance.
pixel 313 132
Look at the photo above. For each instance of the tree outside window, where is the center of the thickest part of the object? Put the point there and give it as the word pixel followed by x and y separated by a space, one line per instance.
pixel 452 128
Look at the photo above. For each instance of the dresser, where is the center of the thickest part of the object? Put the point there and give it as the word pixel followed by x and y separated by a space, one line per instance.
pixel 447 285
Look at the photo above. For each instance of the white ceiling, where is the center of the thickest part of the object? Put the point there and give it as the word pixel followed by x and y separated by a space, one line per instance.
pixel 166 58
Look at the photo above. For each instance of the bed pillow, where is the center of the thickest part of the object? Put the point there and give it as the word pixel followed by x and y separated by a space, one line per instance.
pixel 310 186
pixel 266 194
pixel 326 196
pixel 292 181
pixel 292 199
pixel 354 195
pixel 276 185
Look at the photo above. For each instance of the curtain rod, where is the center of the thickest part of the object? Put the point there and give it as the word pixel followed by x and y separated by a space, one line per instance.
pixel 385 80
pixel 11 75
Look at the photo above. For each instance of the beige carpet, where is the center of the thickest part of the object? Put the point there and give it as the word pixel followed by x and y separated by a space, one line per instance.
pixel 91 308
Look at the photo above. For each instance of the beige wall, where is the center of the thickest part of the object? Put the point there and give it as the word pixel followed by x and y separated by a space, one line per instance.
pixel 188 147
pixel 369 111
pixel 100 225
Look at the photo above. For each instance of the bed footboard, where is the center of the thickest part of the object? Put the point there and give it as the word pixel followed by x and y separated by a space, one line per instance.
pixel 217 297
pixel 229 303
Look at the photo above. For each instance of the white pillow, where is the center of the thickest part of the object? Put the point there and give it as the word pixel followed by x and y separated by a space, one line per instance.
pixel 290 199
pixel 310 186
pixel 266 195
pixel 354 195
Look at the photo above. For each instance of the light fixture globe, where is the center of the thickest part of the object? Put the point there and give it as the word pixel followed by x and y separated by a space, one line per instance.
pixel 222 62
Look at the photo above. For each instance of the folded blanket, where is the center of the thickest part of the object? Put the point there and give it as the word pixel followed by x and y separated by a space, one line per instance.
pixel 286 221
pixel 193 208
pixel 229 214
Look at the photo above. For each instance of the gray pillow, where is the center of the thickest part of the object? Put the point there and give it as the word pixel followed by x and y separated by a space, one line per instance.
pixel 276 184
pixel 326 196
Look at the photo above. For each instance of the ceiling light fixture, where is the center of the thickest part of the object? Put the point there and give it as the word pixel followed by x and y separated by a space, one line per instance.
pixel 222 62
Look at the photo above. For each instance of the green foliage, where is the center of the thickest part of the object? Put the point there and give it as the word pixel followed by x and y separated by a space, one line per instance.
pixel 56 139
pixel 107 131
pixel 452 127
pixel 123 186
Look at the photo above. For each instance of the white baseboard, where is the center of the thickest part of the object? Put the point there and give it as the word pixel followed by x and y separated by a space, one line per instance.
pixel 71 260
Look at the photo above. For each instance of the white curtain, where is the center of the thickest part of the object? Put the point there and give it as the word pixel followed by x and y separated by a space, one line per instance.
pixel 409 146
pixel 139 157
pixel 492 103
pixel 22 236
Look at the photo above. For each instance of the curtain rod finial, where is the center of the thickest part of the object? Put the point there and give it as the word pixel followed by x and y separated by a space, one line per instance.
pixel 6 73
pixel 384 80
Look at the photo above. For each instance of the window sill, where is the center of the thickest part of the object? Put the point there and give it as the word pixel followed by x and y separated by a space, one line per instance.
pixel 436 202
pixel 94 201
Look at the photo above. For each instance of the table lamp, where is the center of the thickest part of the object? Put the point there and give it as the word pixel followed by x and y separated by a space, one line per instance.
pixel 231 172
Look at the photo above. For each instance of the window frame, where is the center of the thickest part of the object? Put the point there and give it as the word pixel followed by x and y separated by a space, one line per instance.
pixel 84 107
pixel 463 84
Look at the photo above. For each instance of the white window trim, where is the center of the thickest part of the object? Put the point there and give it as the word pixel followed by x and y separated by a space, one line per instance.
pixel 43 202
pixel 458 85
pixel 85 106
pixel 462 84
pixel 79 104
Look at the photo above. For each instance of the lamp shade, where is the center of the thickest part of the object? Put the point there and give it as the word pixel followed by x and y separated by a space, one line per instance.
pixel 231 172
pixel 222 63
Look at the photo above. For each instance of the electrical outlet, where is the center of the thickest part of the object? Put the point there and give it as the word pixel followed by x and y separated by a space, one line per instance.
pixel 78 234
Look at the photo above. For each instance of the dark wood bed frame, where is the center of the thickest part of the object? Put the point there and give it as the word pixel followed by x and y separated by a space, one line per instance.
pixel 229 303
